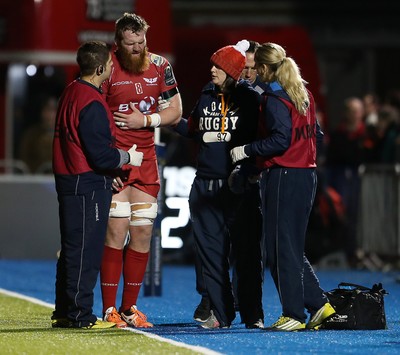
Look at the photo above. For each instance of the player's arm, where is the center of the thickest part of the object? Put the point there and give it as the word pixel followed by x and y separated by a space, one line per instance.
pixel 171 115
pixel 135 120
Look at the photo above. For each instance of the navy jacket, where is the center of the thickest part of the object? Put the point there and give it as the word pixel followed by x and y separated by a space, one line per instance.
pixel 220 123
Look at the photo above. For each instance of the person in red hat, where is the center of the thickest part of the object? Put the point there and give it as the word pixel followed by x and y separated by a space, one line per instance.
pixel 225 114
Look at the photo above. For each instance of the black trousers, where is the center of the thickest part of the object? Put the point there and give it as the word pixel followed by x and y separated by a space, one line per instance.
pixel 246 257
pixel 83 225
pixel 212 207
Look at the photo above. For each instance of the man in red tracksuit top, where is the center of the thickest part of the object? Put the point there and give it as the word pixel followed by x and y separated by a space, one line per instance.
pixel 83 155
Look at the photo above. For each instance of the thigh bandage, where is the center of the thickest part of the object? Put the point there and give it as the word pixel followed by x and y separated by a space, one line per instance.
pixel 120 209
pixel 143 213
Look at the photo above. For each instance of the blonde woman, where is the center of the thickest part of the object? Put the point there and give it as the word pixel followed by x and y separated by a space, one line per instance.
pixel 287 151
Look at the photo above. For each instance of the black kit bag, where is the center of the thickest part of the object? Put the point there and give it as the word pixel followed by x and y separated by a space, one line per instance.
pixel 357 307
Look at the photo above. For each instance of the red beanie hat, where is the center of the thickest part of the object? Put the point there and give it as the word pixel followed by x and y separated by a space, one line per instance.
pixel 232 59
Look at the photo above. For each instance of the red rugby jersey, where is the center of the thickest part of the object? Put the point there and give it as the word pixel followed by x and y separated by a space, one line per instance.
pixel 143 90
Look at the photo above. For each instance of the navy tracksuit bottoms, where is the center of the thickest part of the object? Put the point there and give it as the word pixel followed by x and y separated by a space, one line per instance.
pixel 287 197
pixel 212 207
pixel 83 226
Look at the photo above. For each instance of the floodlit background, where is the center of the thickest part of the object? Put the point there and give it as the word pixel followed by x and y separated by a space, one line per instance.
pixel 344 49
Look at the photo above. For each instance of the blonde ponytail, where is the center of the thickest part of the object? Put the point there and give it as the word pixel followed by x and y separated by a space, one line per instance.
pixel 288 75
pixel 285 71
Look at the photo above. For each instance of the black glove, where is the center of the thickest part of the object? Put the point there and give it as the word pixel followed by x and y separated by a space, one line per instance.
pixel 237 181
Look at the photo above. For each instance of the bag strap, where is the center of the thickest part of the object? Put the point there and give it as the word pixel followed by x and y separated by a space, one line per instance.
pixel 354 286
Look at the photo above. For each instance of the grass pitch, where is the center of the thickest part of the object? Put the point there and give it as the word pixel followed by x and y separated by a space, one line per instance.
pixel 25 328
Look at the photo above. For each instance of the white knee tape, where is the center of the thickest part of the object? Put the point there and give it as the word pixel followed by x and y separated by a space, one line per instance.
pixel 120 209
pixel 143 213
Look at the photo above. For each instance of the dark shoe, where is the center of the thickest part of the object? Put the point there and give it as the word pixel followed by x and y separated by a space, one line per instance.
pixel 61 323
pixel 256 325
pixel 202 312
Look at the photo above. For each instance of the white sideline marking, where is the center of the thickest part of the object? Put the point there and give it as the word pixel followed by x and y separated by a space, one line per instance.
pixel 173 342
pixel 149 335
pixel 26 298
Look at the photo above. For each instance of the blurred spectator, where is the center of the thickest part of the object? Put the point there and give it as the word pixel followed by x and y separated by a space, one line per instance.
pixel 36 144
pixel 388 135
pixel 345 153
pixel 327 219
pixel 371 107
pixel 321 153
pixel 326 227
pixel 392 98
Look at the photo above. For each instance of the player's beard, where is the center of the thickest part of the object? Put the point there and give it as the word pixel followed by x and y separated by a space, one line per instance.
pixel 133 64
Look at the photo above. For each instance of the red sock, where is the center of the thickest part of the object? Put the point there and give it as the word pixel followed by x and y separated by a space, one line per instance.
pixel 134 268
pixel 110 274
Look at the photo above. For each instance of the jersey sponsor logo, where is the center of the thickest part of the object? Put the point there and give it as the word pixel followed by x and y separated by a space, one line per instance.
pixel 151 81
pixel 124 107
pixel 139 88
pixel 146 104
pixel 216 137
pixel 126 82
pixel 143 105
pixel 169 77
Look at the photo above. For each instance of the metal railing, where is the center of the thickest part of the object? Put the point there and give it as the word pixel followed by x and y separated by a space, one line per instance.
pixel 379 222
